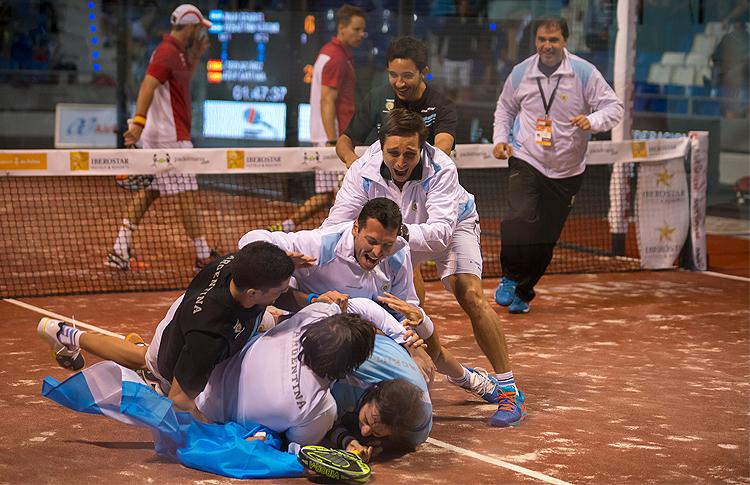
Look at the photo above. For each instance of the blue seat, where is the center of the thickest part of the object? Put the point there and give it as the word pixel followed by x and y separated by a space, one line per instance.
pixel 657 105
pixel 707 108
pixel 647 88
pixel 678 105
pixel 674 89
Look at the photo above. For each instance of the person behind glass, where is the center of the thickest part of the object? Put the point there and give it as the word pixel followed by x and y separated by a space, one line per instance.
pixel 331 105
pixel 407 67
pixel 550 104
pixel 163 121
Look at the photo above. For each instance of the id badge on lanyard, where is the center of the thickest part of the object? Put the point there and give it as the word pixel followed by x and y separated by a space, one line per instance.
pixel 543 131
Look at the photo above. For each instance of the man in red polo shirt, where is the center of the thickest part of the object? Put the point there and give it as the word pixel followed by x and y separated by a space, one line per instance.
pixel 331 104
pixel 163 118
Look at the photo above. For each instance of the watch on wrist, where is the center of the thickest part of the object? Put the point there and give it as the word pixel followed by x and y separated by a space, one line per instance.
pixel 404 232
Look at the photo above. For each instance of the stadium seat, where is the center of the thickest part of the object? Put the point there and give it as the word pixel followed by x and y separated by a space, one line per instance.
pixel 659 74
pixel 696 59
pixel 673 58
pixel 674 90
pixel 707 108
pixel 704 43
pixel 715 28
pixel 683 76
pixel 657 105
pixel 647 88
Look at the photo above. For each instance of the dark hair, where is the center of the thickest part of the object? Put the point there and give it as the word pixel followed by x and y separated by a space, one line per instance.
pixel 552 21
pixel 345 13
pixel 400 407
pixel 334 346
pixel 261 265
pixel 402 122
pixel 407 47
pixel 383 210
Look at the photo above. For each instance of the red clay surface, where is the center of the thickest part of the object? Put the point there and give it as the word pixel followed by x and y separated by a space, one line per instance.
pixel 629 377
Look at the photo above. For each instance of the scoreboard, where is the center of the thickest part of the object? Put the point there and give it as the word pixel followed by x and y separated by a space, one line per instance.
pixel 257 66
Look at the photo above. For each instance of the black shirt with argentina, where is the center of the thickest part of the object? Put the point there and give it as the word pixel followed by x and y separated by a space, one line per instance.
pixel 437 110
pixel 208 327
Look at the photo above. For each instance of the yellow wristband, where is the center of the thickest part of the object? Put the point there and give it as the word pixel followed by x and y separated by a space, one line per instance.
pixel 139 120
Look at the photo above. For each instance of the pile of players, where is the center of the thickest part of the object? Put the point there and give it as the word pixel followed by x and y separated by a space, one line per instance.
pixel 350 359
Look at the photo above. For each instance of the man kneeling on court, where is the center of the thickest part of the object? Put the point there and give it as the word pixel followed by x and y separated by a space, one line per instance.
pixel 366 258
pixel 221 309
pixel 282 378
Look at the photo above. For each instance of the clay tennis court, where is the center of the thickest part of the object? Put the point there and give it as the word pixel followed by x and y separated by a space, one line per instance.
pixel 630 378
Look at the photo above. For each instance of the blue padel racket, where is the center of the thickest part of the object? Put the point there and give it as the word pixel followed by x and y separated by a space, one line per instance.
pixel 333 463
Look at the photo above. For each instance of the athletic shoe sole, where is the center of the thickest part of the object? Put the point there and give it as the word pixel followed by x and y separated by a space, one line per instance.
pixel 62 354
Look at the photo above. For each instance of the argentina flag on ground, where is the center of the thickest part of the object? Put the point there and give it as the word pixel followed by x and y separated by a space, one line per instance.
pixel 118 393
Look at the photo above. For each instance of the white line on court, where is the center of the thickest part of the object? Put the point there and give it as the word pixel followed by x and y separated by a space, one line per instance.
pixel 727 276
pixel 432 441
pixel 71 321
pixel 496 462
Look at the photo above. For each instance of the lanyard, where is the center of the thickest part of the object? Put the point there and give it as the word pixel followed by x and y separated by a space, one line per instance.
pixel 548 106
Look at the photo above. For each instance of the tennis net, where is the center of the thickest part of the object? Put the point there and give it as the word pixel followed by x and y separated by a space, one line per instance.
pixel 63 210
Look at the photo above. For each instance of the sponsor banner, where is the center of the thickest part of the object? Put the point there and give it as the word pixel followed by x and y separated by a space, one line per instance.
pixel 698 185
pixel 606 152
pixel 663 212
pixel 85 125
pixel 285 159
pixel 477 156
pixel 15 161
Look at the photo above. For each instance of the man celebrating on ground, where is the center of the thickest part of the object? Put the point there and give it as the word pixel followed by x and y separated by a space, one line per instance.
pixel 441 224
pixel 550 102
pixel 218 313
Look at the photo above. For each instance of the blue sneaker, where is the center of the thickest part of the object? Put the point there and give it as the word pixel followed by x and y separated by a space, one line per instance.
pixel 505 291
pixel 518 306
pixel 481 384
pixel 510 410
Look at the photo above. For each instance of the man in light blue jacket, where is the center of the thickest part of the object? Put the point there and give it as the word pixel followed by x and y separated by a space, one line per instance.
pixel 550 103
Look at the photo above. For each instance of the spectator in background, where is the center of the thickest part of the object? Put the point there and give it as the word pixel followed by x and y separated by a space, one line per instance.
pixel 331 105
pixel 163 120
pixel 732 68
pixel 458 48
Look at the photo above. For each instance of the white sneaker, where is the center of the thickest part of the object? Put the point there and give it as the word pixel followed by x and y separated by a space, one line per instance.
pixel 481 384
pixel 66 357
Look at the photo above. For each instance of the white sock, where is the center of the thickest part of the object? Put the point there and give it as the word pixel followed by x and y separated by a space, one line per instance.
pixel 124 239
pixel 506 379
pixel 201 247
pixel 464 381
pixel 69 336
pixel 288 225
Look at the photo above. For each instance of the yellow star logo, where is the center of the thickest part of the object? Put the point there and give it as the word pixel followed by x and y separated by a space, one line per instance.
pixel 664 177
pixel 665 233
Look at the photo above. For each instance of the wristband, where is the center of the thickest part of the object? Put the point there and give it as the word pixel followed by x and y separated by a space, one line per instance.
pixel 331 143
pixel 311 296
pixel 139 120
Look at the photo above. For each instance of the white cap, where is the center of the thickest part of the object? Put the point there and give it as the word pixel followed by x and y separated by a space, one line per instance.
pixel 187 14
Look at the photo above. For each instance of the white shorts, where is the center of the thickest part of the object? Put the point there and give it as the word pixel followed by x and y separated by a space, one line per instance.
pixel 462 256
pixel 169 183
pixel 457 73
pixel 152 353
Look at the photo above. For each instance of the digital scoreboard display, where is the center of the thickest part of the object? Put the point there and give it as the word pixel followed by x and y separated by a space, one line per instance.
pixel 248 75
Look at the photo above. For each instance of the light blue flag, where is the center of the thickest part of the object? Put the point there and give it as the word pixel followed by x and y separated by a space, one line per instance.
pixel 118 393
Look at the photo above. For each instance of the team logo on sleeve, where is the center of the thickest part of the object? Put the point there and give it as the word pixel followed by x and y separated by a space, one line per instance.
pixel 238 328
